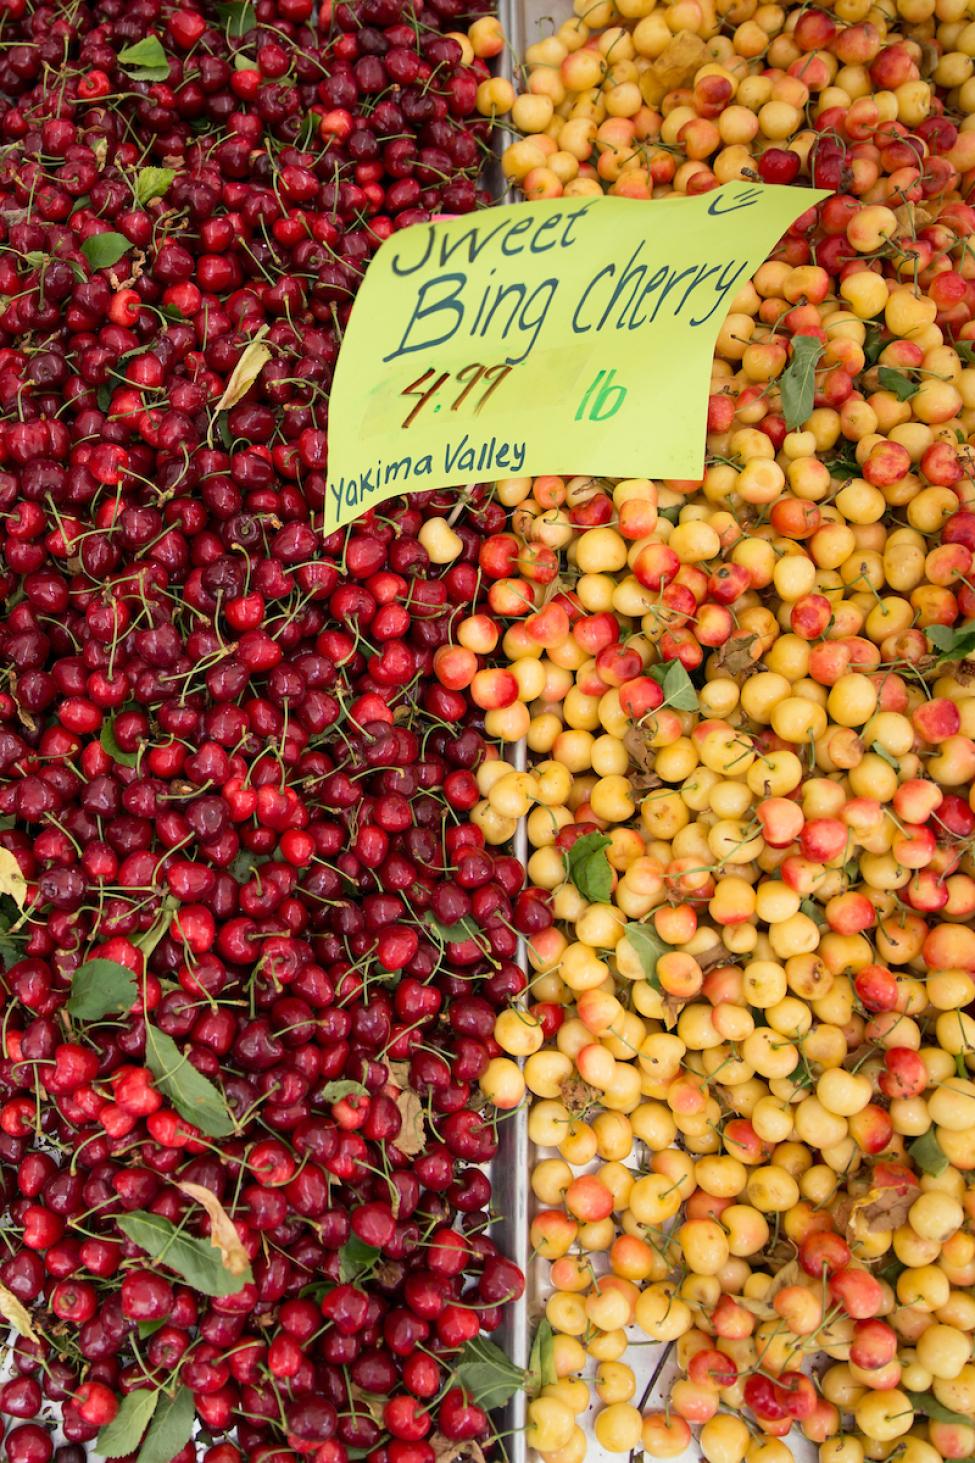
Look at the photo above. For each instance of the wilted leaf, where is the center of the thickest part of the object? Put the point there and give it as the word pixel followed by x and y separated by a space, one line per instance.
pixel 411 1138
pixel 194 1260
pixel 797 384
pixel 253 359
pixel 789 1274
pixel 123 1433
pixel 12 881
pixel 446 1451
pixel 679 60
pixel 883 1209
pixel 589 869
pixel 636 740
pixel 737 655
pixel 12 1311
pixel 101 987
pixel 223 1231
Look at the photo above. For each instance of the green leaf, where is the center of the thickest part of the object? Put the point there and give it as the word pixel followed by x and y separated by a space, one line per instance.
pixel 195 1260
pixel 335 1091
pixel 953 642
pixel 145 61
pixel 122 1434
pixel 152 183
pixel 881 751
pixel 244 865
pixel 928 1405
pixel 678 688
pixel 486 1374
pixel 149 1328
pixel 101 987
pixel 797 383
pixel 111 746
pixel 104 250
pixel 237 18
pixel 649 946
pixel 541 1363
pixel 243 62
pixel 193 1096
pixel 928 1154
pixel 170 1429
pixel 811 909
pixel 898 382
pixel 355 1258
pixel 589 868
pixel 464 929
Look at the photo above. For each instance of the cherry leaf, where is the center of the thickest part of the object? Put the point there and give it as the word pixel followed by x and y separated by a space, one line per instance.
pixel 193 1096
pixel 486 1374
pixel 12 1311
pixel 898 383
pixel 110 745
pixel 335 1091
pixel 589 869
pixel 104 250
pixel 253 358
pixel 12 881
pixel 223 1231
pixel 171 1427
pixel 411 1138
pixel 194 1260
pixel 121 1436
pixel 145 61
pixel 152 183
pixel 797 384
pixel 100 987
pixel 928 1154
pixel 649 947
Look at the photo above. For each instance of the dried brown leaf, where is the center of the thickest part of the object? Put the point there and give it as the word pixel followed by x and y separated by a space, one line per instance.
pixel 223 1231
pixel 710 959
pixel 738 655
pixel 789 1274
pixel 366 1402
pixel 577 1095
pixel 883 1209
pixel 447 1451
pixel 673 1006
pixel 411 1138
pixel 636 740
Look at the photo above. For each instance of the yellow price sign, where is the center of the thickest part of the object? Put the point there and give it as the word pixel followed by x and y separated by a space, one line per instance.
pixel 571 335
